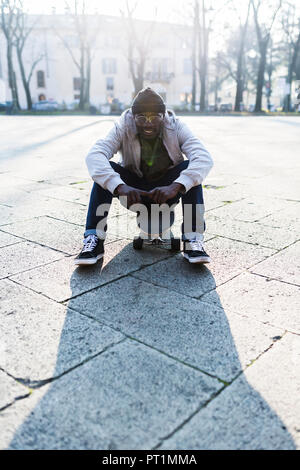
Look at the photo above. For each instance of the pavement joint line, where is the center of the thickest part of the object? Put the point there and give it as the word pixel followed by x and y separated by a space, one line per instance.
pixel 274 279
pixel 214 396
pixel 184 422
pixel 21 397
pixel 175 358
pixel 180 361
pixel 105 284
pixel 37 384
pixel 40 244
pixel 249 243
pixel 64 220
pixel 248 316
pixel 63 302
pixel 187 295
pixel 28 270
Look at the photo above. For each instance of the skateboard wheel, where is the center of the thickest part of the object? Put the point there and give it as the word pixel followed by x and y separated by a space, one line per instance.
pixel 175 244
pixel 138 243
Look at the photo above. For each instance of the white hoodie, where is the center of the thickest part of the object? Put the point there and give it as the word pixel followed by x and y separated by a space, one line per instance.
pixel 177 138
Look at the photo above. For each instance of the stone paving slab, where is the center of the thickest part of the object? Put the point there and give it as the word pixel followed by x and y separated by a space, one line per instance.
pixel 260 410
pixel 288 217
pixel 126 398
pixel 6 239
pixel 15 197
pixel 62 210
pixel 35 208
pixel 229 258
pixel 219 196
pixel 62 280
pixel 66 193
pixel 23 256
pixel 53 233
pixel 203 335
pixel 266 300
pixel 43 339
pixel 276 187
pixel 10 390
pixel 252 209
pixel 251 232
pixel 284 266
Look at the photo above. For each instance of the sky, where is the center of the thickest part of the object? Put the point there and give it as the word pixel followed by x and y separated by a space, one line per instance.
pixel 168 10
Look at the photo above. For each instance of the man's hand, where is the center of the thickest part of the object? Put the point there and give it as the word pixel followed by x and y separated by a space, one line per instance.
pixel 162 194
pixel 133 195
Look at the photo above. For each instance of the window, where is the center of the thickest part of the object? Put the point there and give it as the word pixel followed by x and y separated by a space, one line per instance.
pixel 76 97
pixel 160 66
pixel 109 83
pixel 111 41
pixel 109 65
pixel 0 69
pixel 76 83
pixel 40 79
pixel 187 66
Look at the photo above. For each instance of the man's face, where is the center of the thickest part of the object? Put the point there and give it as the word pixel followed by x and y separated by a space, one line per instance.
pixel 149 124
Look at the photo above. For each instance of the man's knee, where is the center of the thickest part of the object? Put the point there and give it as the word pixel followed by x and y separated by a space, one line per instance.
pixel 182 166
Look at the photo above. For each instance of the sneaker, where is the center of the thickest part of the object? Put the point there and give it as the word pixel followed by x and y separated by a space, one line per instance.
pixel 193 251
pixel 92 251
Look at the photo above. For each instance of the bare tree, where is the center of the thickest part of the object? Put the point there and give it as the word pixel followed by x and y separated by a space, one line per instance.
pixel 221 74
pixel 263 33
pixel 234 58
pixel 138 47
pixel 21 34
pixel 8 24
pixel 81 54
pixel 240 60
pixel 290 23
pixel 205 18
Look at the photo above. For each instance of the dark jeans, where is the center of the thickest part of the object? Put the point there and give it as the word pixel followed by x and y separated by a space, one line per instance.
pixel 193 198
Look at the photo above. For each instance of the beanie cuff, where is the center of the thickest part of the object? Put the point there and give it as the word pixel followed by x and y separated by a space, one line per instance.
pixel 138 108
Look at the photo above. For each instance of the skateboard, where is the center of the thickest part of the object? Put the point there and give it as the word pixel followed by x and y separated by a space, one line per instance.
pixel 138 242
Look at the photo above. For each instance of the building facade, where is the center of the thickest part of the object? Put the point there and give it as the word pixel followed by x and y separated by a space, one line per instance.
pixel 56 77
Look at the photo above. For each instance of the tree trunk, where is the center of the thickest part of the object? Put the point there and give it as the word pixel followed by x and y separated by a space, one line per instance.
pixel 239 81
pixel 88 76
pixel 260 76
pixel 82 79
pixel 203 88
pixel 11 78
pixel 24 81
pixel 195 33
pixel 287 101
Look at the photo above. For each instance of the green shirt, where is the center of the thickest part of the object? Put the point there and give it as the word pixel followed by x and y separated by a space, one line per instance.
pixel 155 160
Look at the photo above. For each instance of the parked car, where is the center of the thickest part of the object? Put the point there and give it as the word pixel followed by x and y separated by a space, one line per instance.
pixel 225 107
pixel 212 108
pixel 5 105
pixel 45 106
pixel 72 105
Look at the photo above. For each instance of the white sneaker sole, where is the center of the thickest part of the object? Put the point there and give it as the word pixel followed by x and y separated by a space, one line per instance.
pixel 198 260
pixel 88 261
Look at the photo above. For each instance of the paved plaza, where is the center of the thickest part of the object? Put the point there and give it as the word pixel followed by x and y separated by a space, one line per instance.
pixel 144 350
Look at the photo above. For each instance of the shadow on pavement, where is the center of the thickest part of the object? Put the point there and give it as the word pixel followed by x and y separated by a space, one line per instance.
pixel 133 386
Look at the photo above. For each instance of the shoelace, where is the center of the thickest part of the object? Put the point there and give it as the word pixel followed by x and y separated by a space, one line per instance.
pixel 196 245
pixel 89 243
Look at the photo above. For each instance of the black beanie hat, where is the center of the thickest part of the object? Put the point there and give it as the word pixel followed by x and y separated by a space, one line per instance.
pixel 147 101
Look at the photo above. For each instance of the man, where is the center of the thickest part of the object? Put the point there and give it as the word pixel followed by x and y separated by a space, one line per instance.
pixel 151 140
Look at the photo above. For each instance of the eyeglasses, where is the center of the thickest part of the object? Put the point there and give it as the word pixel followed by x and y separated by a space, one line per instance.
pixel 141 119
